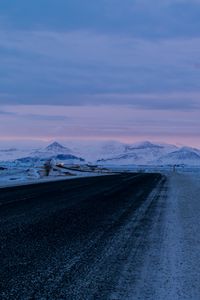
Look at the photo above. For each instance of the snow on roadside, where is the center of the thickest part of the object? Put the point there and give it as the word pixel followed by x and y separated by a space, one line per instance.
pixel 185 191
pixel 165 263
pixel 177 274
pixel 20 176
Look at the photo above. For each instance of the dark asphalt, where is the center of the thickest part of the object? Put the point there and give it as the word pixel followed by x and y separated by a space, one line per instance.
pixel 71 239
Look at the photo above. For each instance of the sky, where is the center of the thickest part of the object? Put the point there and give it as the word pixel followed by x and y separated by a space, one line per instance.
pixel 100 70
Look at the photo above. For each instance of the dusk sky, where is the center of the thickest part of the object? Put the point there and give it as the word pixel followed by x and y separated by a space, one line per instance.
pixel 108 69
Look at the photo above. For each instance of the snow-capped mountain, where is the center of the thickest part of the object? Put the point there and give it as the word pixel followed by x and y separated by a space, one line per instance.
pixel 52 150
pixel 143 145
pixel 94 150
pixel 190 149
pixel 106 153
pixel 147 153
pixel 55 147
pixel 140 153
pixel 150 146
pixel 184 155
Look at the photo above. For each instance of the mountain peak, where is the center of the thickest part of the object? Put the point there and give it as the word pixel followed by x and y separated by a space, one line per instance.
pixel 144 145
pixel 57 147
pixel 147 144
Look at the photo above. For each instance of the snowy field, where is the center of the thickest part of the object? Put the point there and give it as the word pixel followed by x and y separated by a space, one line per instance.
pixel 20 176
pixel 157 169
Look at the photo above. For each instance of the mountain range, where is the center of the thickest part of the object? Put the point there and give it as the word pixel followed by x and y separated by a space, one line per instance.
pixel 108 153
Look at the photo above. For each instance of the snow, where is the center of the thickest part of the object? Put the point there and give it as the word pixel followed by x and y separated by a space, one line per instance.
pixel 106 153
pixel 21 176
pixel 182 156
pixel 140 153
pixel 52 150
pixel 12 154
pixel 147 153
pixel 178 276
pixel 169 263
pixel 92 151
pixel 58 148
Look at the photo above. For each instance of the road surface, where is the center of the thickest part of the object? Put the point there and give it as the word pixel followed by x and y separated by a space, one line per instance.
pixel 110 237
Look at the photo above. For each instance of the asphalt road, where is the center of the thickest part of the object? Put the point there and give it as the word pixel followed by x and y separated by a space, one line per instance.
pixel 77 239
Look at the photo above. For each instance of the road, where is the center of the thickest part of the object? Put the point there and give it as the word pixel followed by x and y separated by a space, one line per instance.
pixel 108 237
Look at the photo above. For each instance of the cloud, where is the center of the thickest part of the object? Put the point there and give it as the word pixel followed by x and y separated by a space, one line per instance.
pixel 17 114
pixel 171 101
pixel 80 67
pixel 99 122
pixel 141 18
pixel 6 113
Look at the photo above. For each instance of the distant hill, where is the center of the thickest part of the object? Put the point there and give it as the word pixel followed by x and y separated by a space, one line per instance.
pixel 51 150
pixel 182 156
pixel 54 151
pixel 57 148
pixel 140 153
